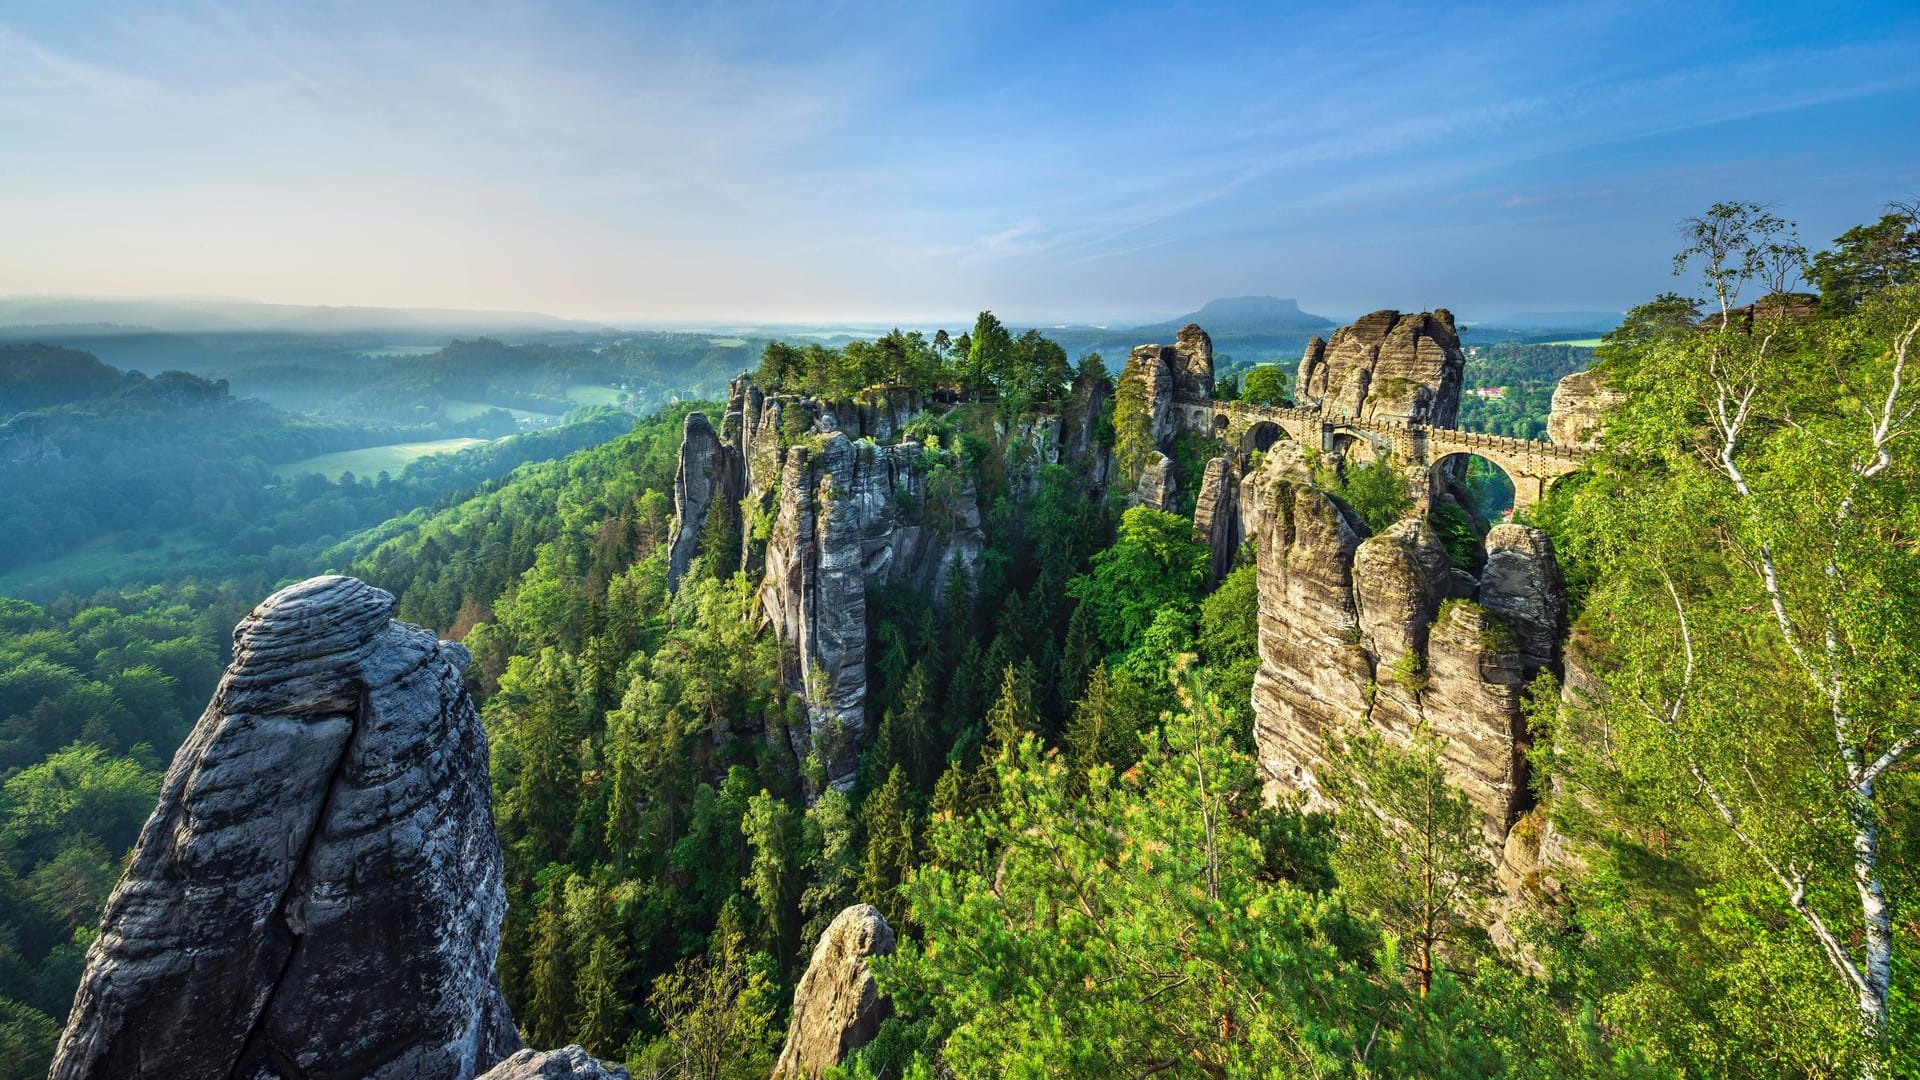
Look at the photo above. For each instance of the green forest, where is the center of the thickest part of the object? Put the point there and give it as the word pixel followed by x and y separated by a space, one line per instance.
pixel 1060 808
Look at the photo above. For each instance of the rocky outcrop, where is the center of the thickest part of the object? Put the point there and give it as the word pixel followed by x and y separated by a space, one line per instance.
pixel 1387 366
pixel 855 516
pixel 837 1008
pixel 318 892
pixel 707 472
pixel 567 1063
pixel 24 441
pixel 1382 632
pixel 1580 403
pixel 1216 513
pixel 1170 374
pixel 1157 485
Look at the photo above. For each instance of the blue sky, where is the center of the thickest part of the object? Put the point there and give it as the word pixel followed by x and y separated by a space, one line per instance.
pixel 919 162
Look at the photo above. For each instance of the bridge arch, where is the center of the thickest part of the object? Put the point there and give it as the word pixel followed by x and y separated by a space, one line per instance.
pixel 1261 435
pixel 1355 449
pixel 1493 486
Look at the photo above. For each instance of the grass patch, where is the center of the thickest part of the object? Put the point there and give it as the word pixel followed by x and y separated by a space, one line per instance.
pixel 110 560
pixel 369 461
pixel 727 342
pixel 591 394
pixel 467 410
pixel 1580 343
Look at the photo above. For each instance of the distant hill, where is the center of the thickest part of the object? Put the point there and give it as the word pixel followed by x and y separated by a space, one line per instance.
pixel 1243 316
pixel 189 315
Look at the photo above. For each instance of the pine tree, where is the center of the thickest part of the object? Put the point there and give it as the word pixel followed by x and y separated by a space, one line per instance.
pixel 600 1025
pixel 770 827
pixel 550 993
pixel 888 820
pixel 1081 654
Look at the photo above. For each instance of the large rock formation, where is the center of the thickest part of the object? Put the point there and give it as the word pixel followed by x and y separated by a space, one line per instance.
pixel 1173 375
pixel 837 1008
pixel 1387 366
pixel 318 892
pixel 1216 513
pixel 567 1063
pixel 707 471
pixel 1380 631
pixel 1580 403
pixel 854 516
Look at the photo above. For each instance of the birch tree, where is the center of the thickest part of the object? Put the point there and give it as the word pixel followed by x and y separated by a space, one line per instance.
pixel 1755 529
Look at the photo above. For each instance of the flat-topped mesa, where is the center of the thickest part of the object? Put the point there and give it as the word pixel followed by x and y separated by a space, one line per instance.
pixel 1387 367
pixel 1381 632
pixel 318 891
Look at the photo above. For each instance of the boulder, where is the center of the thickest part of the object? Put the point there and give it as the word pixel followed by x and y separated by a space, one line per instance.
pixel 318 891
pixel 1387 367
pixel 1580 403
pixel 837 1008
pixel 566 1063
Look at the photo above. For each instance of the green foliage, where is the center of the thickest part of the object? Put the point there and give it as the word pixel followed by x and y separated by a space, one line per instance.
pixel 1409 847
pixel 1264 384
pixel 1376 490
pixel 1154 563
pixel 1133 443
pixel 1869 259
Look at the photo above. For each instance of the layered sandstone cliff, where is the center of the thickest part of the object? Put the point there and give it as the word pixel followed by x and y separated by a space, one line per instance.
pixel 1580 403
pixel 1359 630
pixel 854 517
pixel 1387 366
pixel 318 891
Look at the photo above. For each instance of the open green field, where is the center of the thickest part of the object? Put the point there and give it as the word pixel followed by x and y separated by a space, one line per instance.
pixel 371 460
pixel 467 410
pixel 727 342
pixel 109 560
pixel 589 394
pixel 1582 343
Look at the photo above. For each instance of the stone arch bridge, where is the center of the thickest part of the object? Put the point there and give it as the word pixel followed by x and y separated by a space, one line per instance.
pixel 1531 464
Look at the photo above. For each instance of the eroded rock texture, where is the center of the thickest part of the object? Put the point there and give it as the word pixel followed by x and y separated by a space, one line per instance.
pixel 318 892
pixel 1216 513
pixel 1580 402
pixel 1170 374
pixel 837 1008
pixel 1387 366
pixel 854 516
pixel 1382 632
pixel 566 1063
pixel 707 471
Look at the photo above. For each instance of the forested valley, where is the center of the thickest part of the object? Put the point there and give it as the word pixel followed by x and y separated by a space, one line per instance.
pixel 1057 787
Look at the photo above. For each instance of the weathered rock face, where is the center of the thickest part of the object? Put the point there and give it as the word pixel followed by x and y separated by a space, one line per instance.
pixel 1381 631
pixel 1169 374
pixel 837 1008
pixel 24 441
pixel 855 516
pixel 1387 366
pixel 708 471
pixel 318 892
pixel 1157 485
pixel 567 1063
pixel 1580 403
pixel 1216 513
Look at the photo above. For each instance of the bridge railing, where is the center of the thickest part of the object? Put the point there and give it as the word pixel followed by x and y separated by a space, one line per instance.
pixel 1460 437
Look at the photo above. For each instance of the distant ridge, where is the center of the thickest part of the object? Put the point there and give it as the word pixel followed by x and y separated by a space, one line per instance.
pixel 105 315
pixel 1243 315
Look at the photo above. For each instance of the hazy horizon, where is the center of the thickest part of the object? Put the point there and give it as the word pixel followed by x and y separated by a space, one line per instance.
pixel 1072 163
